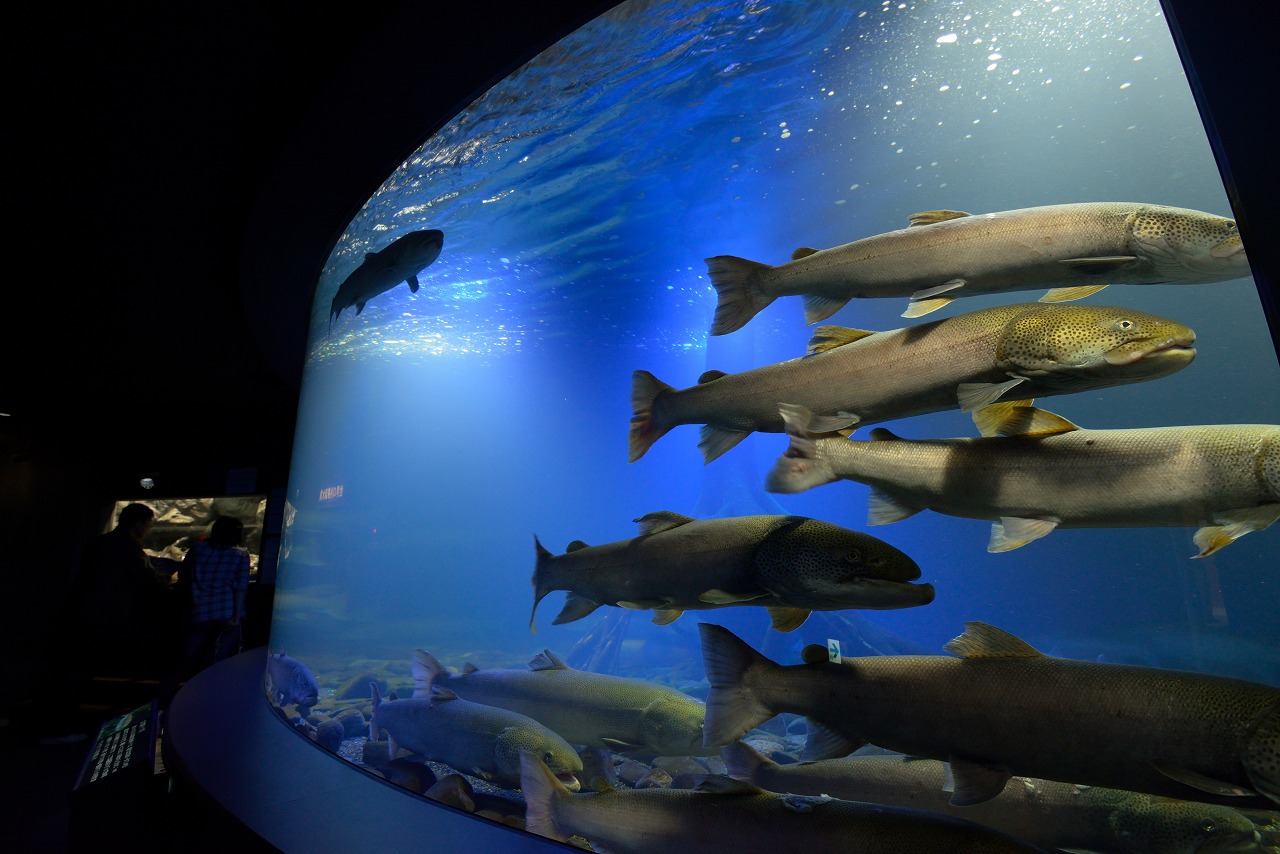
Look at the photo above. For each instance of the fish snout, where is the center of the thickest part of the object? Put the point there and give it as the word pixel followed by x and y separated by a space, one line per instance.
pixel 1227 248
pixel 570 781
pixel 1174 348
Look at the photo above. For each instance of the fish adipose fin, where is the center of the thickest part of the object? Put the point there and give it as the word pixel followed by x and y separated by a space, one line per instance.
pixel 975 783
pixel 830 337
pixel 732 706
pixel 575 608
pixel 799 468
pixel 426 670
pixel 1202 783
pixel 661 520
pixel 1234 525
pixel 883 508
pixel 926 306
pixel 818 308
pixel 714 442
pixel 827 743
pixel 930 217
pixel 973 396
pixel 1013 533
pixel 547 660
pixel 738 296
pixel 1101 266
pixel 787 619
pixel 1069 294
pixel 645 389
pixel 983 640
pixel 1019 418
pixel 665 616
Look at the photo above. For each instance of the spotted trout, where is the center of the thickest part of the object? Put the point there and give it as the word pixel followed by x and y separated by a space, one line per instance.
pixel 790 565
pixel 591 709
pixel 726 815
pixel 1047 813
pixel 1075 249
pixel 854 377
pixel 1043 472
pixel 1002 708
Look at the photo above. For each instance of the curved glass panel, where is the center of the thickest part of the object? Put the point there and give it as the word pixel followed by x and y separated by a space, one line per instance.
pixel 506 332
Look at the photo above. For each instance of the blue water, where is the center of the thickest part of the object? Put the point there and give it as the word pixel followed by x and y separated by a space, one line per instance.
pixel 578 200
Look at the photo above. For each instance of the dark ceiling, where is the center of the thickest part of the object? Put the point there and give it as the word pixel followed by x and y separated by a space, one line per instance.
pixel 177 172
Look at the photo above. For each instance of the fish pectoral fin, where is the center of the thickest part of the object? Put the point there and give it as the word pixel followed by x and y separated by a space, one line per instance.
pixel 661 520
pixel 715 441
pixel 826 743
pixel 818 308
pixel 830 337
pixel 883 508
pixel 1069 294
pixel 936 290
pixel 1233 525
pixel 1102 265
pixel 1011 532
pixel 1019 418
pixel 724 597
pixel 359 307
pixel 832 423
pixel 983 640
pixel 973 396
pixel 974 782
pixel 413 284
pixel 922 307
pixel 618 744
pixel 1203 783
pixel 930 217
pixel 787 619
pixel 665 616
pixel 575 608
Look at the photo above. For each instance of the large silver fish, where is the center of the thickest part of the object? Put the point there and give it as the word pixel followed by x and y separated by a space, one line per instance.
pixel 1002 708
pixel 854 377
pixel 1045 472
pixel 400 261
pixel 591 709
pixel 726 815
pixel 790 565
pixel 1044 812
pixel 1076 249
pixel 473 738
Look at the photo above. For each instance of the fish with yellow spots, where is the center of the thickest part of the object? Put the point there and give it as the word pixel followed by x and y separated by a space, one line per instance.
pixel 853 377
pixel 1074 249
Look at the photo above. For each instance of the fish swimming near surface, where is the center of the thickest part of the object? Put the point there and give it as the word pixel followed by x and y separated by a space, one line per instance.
pixel 1001 708
pixel 1044 812
pixel 1075 249
pixel 291 682
pixel 591 709
pixel 791 565
pixel 722 814
pixel 483 741
pixel 1042 472
pixel 401 261
pixel 854 377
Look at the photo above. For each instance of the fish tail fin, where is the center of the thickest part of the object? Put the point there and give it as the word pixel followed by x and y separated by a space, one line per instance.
pixel 800 467
pixel 542 584
pixel 541 791
pixel 645 389
pixel 732 705
pixel 738 296
pixel 743 762
pixel 426 671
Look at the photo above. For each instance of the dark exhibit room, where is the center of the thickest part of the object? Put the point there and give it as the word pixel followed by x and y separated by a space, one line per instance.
pixel 177 176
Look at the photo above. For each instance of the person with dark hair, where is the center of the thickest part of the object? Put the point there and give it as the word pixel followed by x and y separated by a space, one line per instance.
pixel 215 578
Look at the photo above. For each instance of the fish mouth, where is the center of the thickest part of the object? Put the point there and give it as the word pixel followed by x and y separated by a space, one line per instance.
pixel 1170 349
pixel 877 594
pixel 1243 841
pixel 569 780
pixel 1227 248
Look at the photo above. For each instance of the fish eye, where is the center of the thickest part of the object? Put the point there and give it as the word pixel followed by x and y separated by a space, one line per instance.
pixel 1230 225
pixel 853 556
pixel 546 757
pixel 1125 325
pixel 1207 825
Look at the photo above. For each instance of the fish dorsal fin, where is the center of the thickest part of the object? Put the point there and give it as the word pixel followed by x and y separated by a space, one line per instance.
pixel 661 520
pixel 830 337
pixel 665 616
pixel 442 695
pixel 1101 266
pixel 468 667
pixel 1019 418
pixel 576 545
pixel 919 308
pixel 547 660
pixel 930 217
pixel 818 308
pixel 884 434
pixel 708 376
pixel 787 619
pixel 803 252
pixel 983 640
pixel 1069 294
pixel 724 597
pixel 719 784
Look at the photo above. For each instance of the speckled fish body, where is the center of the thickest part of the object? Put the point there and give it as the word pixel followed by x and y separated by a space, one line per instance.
pixel 292 681
pixel 473 738
pixel 591 709
pixel 1044 812
pixel 1004 709
pixel 1224 477
pixel 790 565
pixel 1023 350
pixel 723 815
pixel 400 261
pixel 948 254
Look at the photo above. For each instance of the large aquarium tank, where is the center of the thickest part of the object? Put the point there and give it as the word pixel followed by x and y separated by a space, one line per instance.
pixel 553 555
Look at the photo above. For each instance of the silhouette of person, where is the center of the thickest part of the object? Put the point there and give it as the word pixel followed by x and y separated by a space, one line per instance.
pixel 215 577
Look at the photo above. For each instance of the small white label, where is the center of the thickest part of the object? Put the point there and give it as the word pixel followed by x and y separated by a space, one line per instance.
pixel 833 650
